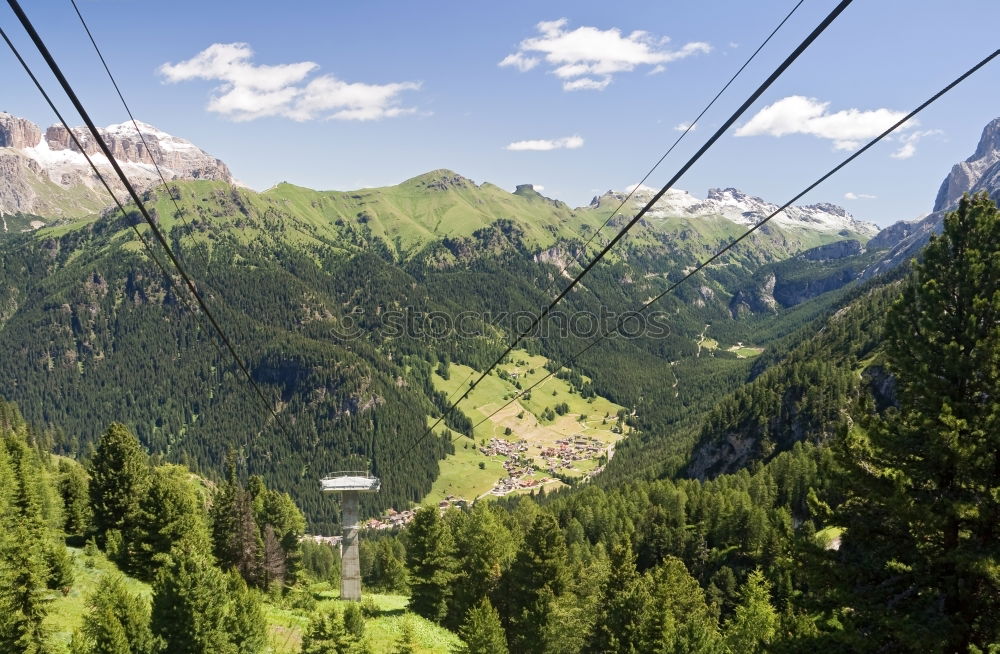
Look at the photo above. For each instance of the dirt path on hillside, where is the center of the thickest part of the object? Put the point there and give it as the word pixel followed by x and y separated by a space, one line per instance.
pixel 701 339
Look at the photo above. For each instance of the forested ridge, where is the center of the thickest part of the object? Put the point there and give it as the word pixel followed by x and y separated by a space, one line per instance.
pixel 314 293
pixel 860 516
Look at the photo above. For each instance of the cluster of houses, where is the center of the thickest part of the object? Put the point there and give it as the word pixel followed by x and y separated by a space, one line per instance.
pixel 567 450
pixel 391 520
pixel 511 484
pixel 499 446
pixel 394 519
pixel 518 466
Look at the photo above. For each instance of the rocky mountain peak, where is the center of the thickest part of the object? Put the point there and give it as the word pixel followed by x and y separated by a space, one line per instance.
pixel 966 175
pixel 47 174
pixel 17 132
pixel 989 141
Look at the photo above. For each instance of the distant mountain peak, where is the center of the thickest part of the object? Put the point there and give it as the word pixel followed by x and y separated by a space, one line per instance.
pixel 744 209
pixel 440 179
pixel 966 175
pixel 45 173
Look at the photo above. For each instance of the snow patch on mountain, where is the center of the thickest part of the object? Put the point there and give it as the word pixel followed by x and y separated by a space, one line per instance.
pixel 741 208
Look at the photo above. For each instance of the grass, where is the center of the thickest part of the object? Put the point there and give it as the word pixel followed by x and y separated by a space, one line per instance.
pixel 827 535
pixel 382 630
pixel 460 473
pixel 66 611
pixel 285 625
pixel 746 352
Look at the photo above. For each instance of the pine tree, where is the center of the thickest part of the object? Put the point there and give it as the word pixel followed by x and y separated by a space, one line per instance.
pixel 23 595
pixel 119 479
pixel 536 577
pixel 755 622
pixel 245 622
pixel 482 631
pixel 483 548
pixel 73 487
pixel 116 622
pixel 620 606
pixel 431 563
pixel 190 606
pixel 171 515
pixel 919 556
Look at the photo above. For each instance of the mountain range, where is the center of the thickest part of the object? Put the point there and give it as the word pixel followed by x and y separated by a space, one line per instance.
pixel 91 331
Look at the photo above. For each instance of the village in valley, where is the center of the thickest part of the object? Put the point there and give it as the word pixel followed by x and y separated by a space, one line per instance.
pixel 558 433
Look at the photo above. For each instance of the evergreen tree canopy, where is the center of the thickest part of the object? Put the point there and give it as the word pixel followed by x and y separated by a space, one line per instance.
pixel 116 622
pixel 923 525
pixel 482 631
pixel 119 479
pixel 431 563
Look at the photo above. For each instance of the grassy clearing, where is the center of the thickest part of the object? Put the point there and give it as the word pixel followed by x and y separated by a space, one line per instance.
pixel 827 537
pixel 384 630
pixel 66 612
pixel 745 351
pixel 285 625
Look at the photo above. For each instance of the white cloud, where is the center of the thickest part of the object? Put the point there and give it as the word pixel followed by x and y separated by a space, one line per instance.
pixel 587 58
pixel 797 114
pixel 683 127
pixel 541 145
pixel 639 187
pixel 859 196
pixel 909 143
pixel 247 91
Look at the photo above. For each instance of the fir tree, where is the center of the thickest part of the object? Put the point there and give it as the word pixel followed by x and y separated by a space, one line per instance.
pixel 236 540
pixel 73 488
pixel 431 563
pixel 171 515
pixel 536 577
pixel 677 618
pixel 755 622
pixel 407 643
pixel 620 606
pixel 119 479
pixel 920 550
pixel 245 622
pixel 354 621
pixel 483 549
pixel 23 595
pixel 116 622
pixel 190 606
pixel 482 631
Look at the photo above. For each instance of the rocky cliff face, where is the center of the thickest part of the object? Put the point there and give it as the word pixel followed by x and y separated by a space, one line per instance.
pixel 46 174
pixel 966 175
pixel 980 172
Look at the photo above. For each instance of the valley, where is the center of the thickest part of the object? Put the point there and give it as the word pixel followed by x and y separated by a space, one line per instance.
pixel 748 451
pixel 551 429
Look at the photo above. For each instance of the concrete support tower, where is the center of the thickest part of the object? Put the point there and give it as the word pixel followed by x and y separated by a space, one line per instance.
pixel 350 485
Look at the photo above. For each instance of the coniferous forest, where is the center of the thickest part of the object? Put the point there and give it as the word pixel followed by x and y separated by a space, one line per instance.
pixel 841 491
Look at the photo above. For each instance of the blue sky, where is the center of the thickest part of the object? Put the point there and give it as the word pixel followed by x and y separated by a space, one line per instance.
pixel 372 93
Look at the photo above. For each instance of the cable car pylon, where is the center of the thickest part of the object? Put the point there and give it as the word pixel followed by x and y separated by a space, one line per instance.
pixel 350 484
